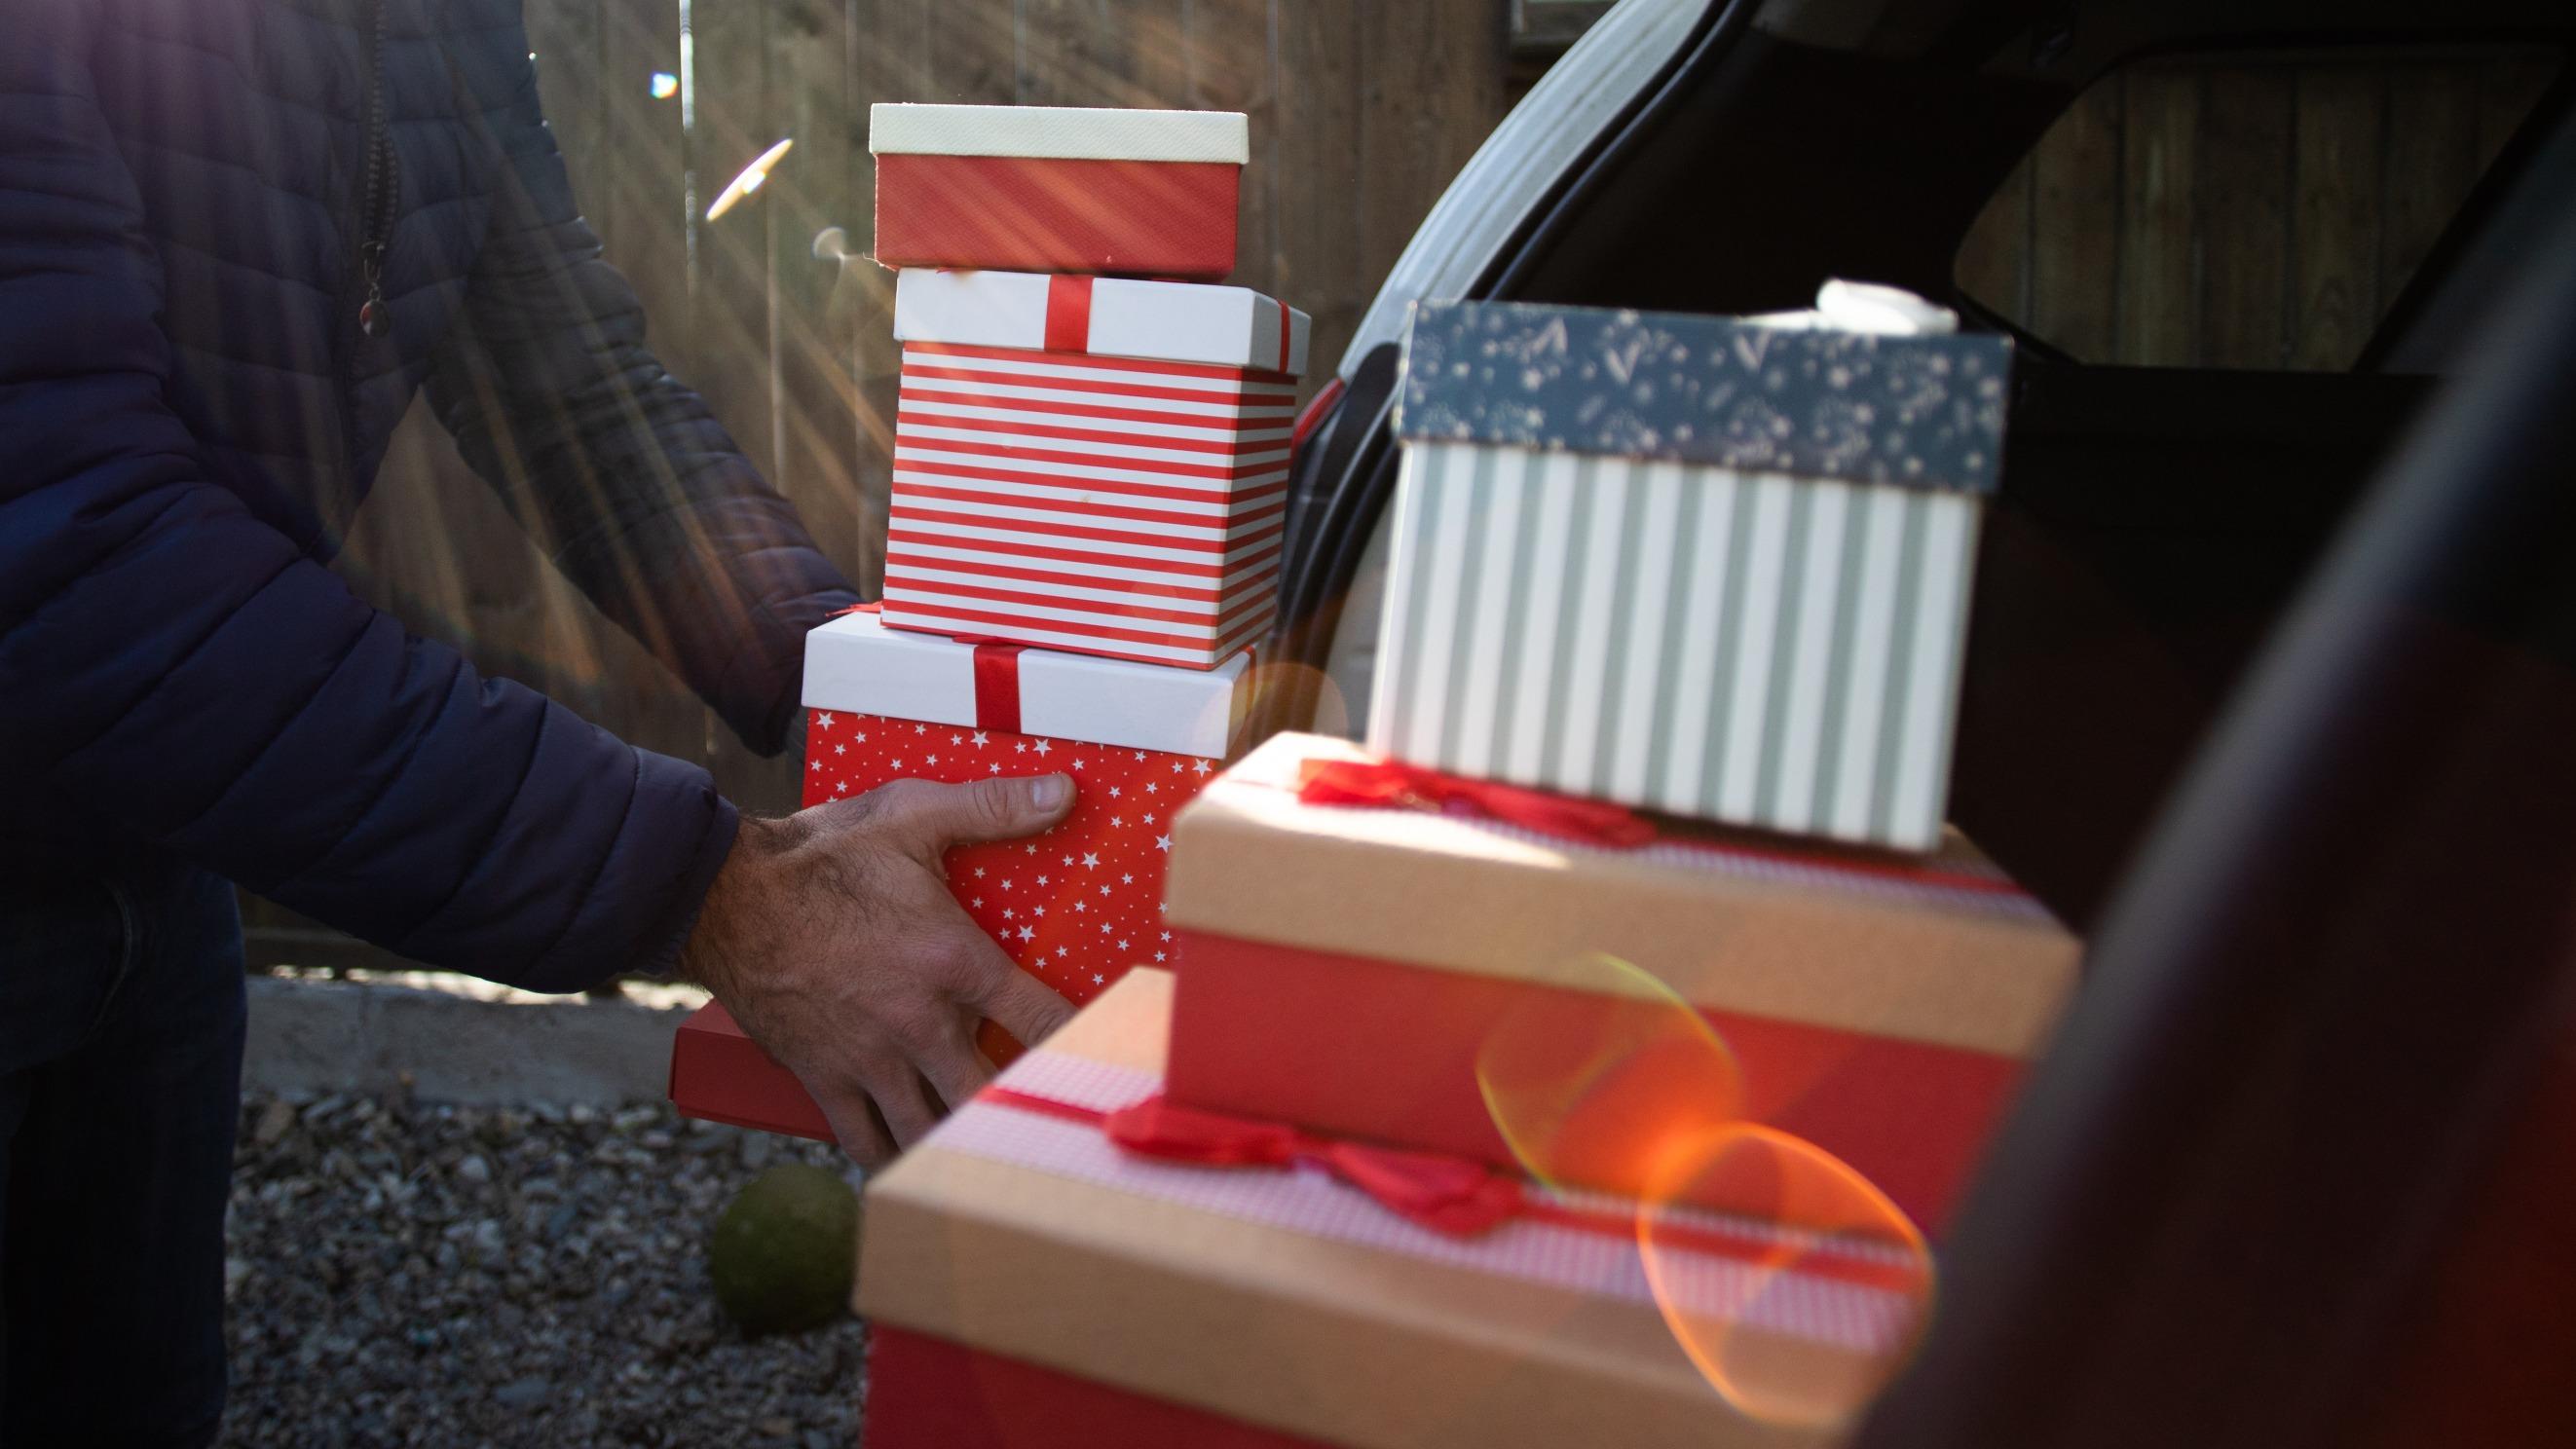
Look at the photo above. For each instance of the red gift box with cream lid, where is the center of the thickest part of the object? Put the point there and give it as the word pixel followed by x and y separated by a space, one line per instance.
pixel 1058 189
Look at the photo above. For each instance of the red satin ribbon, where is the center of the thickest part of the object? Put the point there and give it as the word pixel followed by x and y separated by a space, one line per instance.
pixel 1450 1195
pixel 1445 1194
pixel 1068 314
pixel 997 686
pixel 1286 319
pixel 1392 782
pixel 997 675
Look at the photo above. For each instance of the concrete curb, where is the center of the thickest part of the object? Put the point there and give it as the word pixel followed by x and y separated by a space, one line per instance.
pixel 454 1039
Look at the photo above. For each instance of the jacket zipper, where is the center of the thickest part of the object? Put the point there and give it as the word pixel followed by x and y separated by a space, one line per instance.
pixel 383 186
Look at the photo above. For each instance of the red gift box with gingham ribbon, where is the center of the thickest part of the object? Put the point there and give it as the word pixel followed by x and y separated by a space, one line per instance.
pixel 1091 464
pixel 1032 1281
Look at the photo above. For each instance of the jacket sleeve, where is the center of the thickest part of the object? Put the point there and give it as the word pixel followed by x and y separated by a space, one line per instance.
pixel 642 499
pixel 186 672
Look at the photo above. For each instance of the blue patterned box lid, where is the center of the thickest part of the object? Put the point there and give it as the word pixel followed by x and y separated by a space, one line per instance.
pixel 1925 410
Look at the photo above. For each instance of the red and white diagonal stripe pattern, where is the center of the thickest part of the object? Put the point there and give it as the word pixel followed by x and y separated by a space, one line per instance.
pixel 1102 505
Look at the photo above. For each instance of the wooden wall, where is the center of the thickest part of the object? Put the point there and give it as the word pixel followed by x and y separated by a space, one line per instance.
pixel 1361 110
pixel 2260 215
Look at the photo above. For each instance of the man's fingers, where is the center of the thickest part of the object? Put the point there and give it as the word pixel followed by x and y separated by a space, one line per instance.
pixel 1023 1006
pixel 956 1072
pixel 1003 807
pixel 864 1139
pixel 902 1102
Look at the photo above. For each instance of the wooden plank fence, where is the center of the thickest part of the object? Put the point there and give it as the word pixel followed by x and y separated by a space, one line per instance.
pixel 2254 214
pixel 1361 110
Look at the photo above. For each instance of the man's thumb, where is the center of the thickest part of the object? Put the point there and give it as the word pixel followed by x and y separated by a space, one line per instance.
pixel 1000 808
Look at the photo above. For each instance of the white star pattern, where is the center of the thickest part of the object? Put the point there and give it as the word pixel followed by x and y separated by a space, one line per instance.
pixel 1111 876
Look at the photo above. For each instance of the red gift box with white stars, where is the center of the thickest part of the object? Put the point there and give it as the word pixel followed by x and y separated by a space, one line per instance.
pixel 1075 907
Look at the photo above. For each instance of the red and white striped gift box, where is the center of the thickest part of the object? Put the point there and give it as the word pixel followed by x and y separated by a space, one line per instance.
pixel 1095 465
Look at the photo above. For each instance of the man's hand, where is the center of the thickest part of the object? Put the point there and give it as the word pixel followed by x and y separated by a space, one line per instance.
pixel 832 938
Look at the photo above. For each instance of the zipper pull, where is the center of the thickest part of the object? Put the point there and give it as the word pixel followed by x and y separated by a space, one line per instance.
pixel 374 318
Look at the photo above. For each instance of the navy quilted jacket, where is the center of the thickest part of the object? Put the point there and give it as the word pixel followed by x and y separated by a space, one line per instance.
pixel 190 411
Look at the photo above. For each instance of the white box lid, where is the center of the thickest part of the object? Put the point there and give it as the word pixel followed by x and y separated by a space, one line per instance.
pixel 1152 321
pixel 856 664
pixel 1059 133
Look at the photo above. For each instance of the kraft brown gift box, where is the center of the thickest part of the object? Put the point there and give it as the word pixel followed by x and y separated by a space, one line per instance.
pixel 1341 966
pixel 1033 1285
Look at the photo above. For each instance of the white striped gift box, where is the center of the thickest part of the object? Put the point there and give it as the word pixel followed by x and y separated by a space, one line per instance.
pixel 1708 567
pixel 1105 504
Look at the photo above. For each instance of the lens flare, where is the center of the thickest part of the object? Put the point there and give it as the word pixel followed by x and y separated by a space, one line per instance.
pixel 664 85
pixel 1794 1285
pixel 750 180
pixel 1598 1077
pixel 1751 1326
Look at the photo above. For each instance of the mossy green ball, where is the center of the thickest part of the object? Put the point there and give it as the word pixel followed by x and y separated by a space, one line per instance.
pixel 786 1250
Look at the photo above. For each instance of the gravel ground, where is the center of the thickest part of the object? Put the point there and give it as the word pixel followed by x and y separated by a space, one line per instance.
pixel 436 1276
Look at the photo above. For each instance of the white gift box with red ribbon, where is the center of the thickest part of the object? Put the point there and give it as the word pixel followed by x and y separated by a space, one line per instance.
pixel 1091 464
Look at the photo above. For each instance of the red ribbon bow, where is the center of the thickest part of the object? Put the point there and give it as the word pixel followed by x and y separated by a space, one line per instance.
pixel 1392 782
pixel 1445 1194
pixel 997 676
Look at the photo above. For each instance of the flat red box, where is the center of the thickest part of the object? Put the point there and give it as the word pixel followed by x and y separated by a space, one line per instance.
pixel 720 1075
pixel 1058 189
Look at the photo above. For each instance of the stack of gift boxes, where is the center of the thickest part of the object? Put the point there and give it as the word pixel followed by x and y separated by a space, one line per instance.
pixel 1089 486
pixel 1666 681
